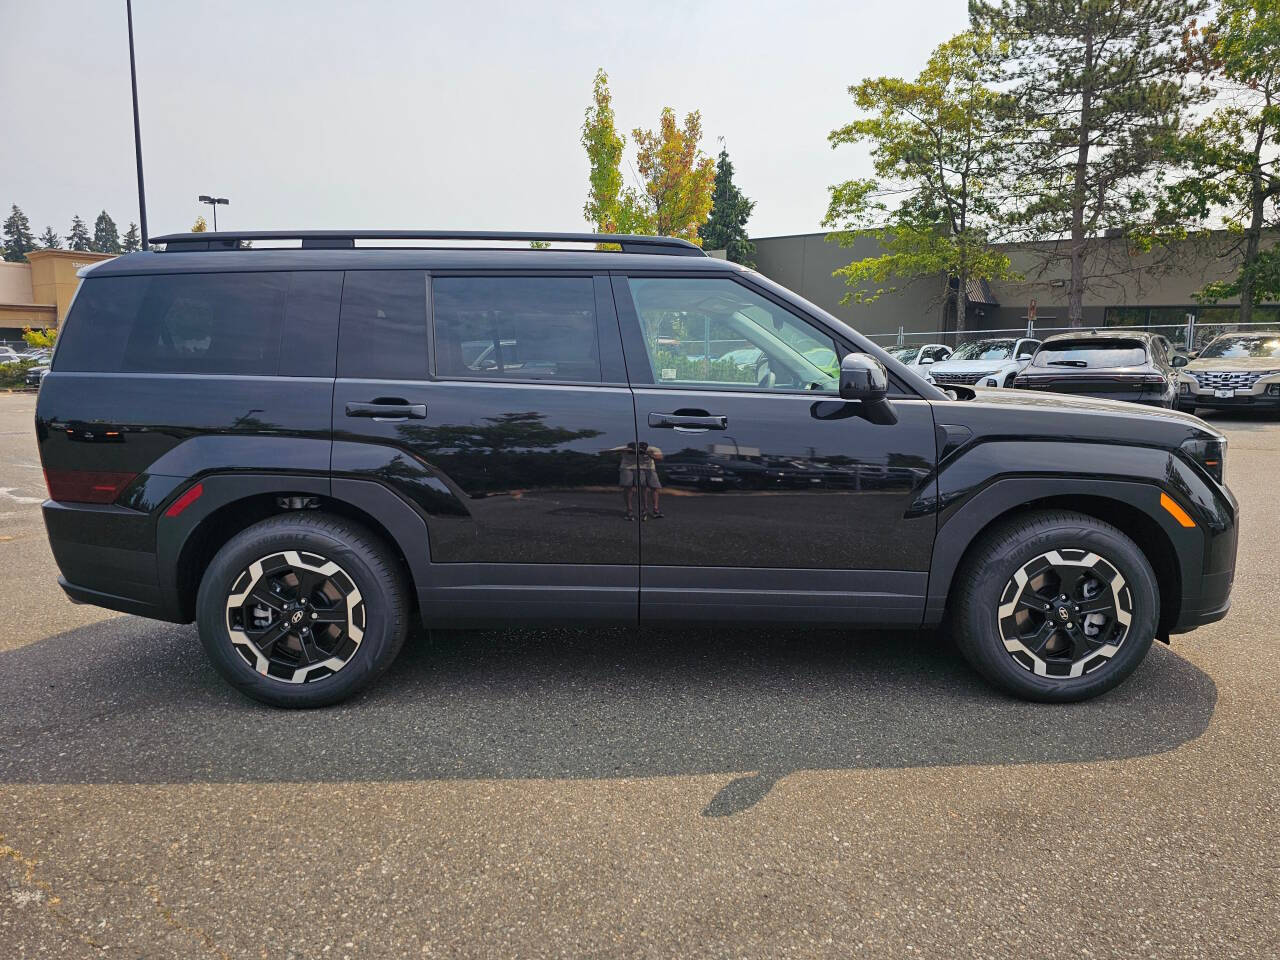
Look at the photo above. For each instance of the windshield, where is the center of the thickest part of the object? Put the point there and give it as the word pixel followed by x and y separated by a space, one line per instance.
pixel 904 354
pixel 1098 355
pixel 1241 347
pixel 985 350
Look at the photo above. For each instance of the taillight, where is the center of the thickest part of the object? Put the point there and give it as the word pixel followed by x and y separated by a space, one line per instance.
pixel 86 486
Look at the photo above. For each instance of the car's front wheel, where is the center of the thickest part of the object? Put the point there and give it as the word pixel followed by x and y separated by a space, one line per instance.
pixel 302 610
pixel 1055 606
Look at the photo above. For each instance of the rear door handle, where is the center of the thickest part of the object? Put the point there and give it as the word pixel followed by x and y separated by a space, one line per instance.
pixel 688 421
pixel 388 409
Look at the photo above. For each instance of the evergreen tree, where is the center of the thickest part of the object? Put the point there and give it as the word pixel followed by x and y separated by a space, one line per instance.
pixel 78 236
pixel 131 241
pixel 106 238
pixel 50 240
pixel 726 228
pixel 18 239
pixel 1100 87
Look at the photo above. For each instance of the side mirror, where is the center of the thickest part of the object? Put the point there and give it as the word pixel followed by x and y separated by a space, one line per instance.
pixel 1178 360
pixel 925 361
pixel 863 377
pixel 1025 356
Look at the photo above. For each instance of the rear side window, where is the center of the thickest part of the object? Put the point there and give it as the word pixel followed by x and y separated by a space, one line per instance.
pixel 516 328
pixel 384 325
pixel 213 323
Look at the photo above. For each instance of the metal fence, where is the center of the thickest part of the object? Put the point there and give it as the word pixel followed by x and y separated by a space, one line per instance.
pixel 1190 336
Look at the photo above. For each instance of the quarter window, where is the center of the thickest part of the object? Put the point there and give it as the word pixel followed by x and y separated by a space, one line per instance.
pixel 516 328
pixel 717 333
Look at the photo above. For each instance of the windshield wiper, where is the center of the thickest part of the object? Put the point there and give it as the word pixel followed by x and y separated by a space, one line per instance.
pixel 1067 363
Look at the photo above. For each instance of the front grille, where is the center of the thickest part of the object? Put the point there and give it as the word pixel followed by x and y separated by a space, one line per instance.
pixel 965 379
pixel 1223 380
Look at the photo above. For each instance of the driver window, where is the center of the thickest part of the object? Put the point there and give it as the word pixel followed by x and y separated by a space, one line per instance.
pixel 716 333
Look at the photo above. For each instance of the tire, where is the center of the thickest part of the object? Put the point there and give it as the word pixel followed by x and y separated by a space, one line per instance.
pixel 308 567
pixel 997 629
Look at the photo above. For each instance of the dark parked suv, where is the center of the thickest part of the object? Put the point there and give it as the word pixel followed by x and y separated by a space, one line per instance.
pixel 305 450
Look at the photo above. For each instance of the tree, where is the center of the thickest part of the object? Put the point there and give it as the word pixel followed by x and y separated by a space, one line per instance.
pixel 78 236
pixel 18 239
pixel 40 339
pixel 106 238
pixel 131 241
pixel 1100 87
pixel 726 228
pixel 50 240
pixel 1232 157
pixel 200 226
pixel 610 207
pixel 678 177
pixel 939 144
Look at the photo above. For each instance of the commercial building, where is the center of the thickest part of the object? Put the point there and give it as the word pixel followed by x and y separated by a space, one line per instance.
pixel 37 294
pixel 1125 288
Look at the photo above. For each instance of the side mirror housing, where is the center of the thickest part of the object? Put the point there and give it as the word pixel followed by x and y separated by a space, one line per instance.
pixel 925 361
pixel 1025 356
pixel 863 377
pixel 1178 360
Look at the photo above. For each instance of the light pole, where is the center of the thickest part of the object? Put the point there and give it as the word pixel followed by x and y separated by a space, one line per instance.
pixel 213 202
pixel 137 129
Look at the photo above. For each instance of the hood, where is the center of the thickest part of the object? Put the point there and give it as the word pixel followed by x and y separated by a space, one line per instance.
pixel 969 366
pixel 1026 414
pixel 1234 364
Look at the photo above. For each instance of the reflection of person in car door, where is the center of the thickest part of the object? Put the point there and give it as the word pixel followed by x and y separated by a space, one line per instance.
pixel 639 468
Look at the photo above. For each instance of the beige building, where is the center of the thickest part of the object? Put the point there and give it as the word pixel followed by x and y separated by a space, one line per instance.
pixel 1124 288
pixel 38 293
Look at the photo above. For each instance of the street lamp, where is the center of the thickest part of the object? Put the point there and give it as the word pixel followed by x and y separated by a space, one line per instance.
pixel 213 202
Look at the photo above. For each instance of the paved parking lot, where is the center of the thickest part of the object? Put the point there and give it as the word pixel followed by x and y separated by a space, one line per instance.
pixel 554 793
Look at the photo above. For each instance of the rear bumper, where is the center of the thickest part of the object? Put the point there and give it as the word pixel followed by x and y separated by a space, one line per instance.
pixel 106 555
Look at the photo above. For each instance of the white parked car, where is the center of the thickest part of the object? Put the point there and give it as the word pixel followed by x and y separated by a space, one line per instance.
pixel 9 355
pixel 920 355
pixel 985 363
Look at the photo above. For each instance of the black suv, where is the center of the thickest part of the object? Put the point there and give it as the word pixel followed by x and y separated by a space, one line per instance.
pixel 304 450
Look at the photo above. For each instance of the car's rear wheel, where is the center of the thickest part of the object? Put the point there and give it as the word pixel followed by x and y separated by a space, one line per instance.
pixel 1055 606
pixel 302 610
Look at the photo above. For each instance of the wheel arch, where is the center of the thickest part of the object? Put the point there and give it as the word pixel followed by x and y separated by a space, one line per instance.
pixel 1174 559
pixel 237 502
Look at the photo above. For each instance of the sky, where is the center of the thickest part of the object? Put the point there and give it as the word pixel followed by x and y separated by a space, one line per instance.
pixel 426 115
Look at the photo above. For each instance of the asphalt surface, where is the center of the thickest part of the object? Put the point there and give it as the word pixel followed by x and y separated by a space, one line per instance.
pixel 711 793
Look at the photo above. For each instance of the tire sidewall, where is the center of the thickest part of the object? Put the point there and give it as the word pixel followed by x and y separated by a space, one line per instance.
pixel 982 642
pixel 383 609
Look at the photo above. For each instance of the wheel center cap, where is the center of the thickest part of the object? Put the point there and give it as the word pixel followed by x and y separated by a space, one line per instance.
pixel 297 617
pixel 1064 614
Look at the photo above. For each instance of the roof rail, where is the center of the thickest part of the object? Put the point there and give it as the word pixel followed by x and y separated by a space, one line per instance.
pixel 346 239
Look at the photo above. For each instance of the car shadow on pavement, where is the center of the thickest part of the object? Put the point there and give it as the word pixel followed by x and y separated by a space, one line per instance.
pixel 133 701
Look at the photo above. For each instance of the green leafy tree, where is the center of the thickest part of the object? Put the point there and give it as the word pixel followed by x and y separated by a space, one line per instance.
pixel 40 339
pixel 678 177
pixel 611 207
pixel 1232 157
pixel 106 238
pixel 18 239
pixel 50 240
pixel 1101 90
pixel 726 228
pixel 939 144
pixel 78 236
pixel 131 241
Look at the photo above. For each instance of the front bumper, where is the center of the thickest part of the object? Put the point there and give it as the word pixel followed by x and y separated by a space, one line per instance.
pixel 1264 394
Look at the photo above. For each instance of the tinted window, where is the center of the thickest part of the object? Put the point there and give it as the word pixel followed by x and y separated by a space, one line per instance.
pixel 516 328
pixel 1099 355
pixel 711 332
pixel 1263 345
pixel 218 323
pixel 384 325
pixel 311 324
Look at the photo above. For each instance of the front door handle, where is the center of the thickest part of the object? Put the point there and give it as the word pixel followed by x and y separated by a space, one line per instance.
pixel 688 421
pixel 386 408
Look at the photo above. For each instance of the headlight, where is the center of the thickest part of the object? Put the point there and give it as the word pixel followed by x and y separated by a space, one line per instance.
pixel 1210 453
